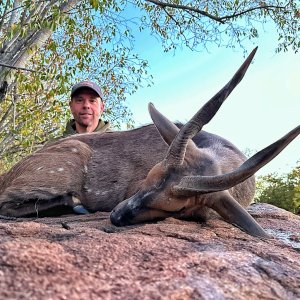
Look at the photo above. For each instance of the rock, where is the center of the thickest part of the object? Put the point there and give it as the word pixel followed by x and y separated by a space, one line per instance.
pixel 86 257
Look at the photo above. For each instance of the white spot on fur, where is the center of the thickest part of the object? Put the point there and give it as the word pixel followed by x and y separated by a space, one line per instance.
pixel 51 172
pixel 74 150
pixel 85 168
pixel 60 169
pixel 76 200
pixel 89 190
pixel 39 168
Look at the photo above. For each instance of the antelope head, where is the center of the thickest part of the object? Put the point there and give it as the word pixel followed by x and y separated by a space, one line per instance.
pixel 189 180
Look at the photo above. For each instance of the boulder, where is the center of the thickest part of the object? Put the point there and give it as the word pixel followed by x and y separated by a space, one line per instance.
pixel 86 257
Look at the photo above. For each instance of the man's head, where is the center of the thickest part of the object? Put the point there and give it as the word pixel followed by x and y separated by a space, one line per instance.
pixel 86 105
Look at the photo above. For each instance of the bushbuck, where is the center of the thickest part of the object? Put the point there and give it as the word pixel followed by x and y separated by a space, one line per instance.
pixel 148 173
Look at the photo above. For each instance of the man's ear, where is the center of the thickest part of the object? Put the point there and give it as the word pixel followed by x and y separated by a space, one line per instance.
pixel 102 105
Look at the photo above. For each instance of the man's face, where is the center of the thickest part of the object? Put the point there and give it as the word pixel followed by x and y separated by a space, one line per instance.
pixel 86 107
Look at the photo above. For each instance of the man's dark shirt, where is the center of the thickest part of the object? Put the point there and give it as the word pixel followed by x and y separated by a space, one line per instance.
pixel 71 128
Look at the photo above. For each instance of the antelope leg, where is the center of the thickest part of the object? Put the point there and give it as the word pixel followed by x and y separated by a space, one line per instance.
pixel 228 208
pixel 78 208
pixel 37 207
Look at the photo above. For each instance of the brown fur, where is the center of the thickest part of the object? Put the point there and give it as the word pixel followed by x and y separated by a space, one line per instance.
pixel 107 169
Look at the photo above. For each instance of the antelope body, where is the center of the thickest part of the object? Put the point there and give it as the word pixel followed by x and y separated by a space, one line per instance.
pixel 155 171
pixel 99 169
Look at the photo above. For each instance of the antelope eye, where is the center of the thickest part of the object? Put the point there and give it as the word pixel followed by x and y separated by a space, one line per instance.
pixel 160 183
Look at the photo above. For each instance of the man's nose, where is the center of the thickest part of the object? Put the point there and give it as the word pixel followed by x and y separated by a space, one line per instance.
pixel 86 104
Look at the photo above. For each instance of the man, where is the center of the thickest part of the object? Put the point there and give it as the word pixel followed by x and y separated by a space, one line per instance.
pixel 87 106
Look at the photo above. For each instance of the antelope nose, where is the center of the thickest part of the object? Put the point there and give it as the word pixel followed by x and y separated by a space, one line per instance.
pixel 116 218
pixel 121 216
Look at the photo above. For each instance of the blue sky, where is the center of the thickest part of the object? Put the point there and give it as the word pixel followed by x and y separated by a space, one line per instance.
pixel 264 106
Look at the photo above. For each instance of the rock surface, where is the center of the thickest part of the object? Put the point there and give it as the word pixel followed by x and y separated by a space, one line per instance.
pixel 85 257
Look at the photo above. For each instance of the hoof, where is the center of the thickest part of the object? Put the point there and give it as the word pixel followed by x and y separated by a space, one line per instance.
pixel 80 210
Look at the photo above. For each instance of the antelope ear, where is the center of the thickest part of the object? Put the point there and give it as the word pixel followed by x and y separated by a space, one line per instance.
pixel 165 127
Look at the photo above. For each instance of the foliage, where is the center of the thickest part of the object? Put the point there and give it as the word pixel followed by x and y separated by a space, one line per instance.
pixel 224 23
pixel 282 191
pixel 82 46
pixel 46 46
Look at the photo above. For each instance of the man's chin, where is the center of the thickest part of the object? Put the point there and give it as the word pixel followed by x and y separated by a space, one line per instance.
pixel 86 122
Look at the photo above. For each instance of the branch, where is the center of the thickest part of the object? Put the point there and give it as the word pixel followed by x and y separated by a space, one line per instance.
pixel 13 16
pixel 179 26
pixel 3 91
pixel 13 10
pixel 7 140
pixel 186 7
pixel 16 43
pixel 251 9
pixel 2 18
pixel 8 111
pixel 18 7
pixel 16 68
pixel 206 14
pixel 20 56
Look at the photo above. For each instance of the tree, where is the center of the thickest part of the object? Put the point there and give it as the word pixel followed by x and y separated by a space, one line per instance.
pixel 47 45
pixel 280 190
pixel 69 43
